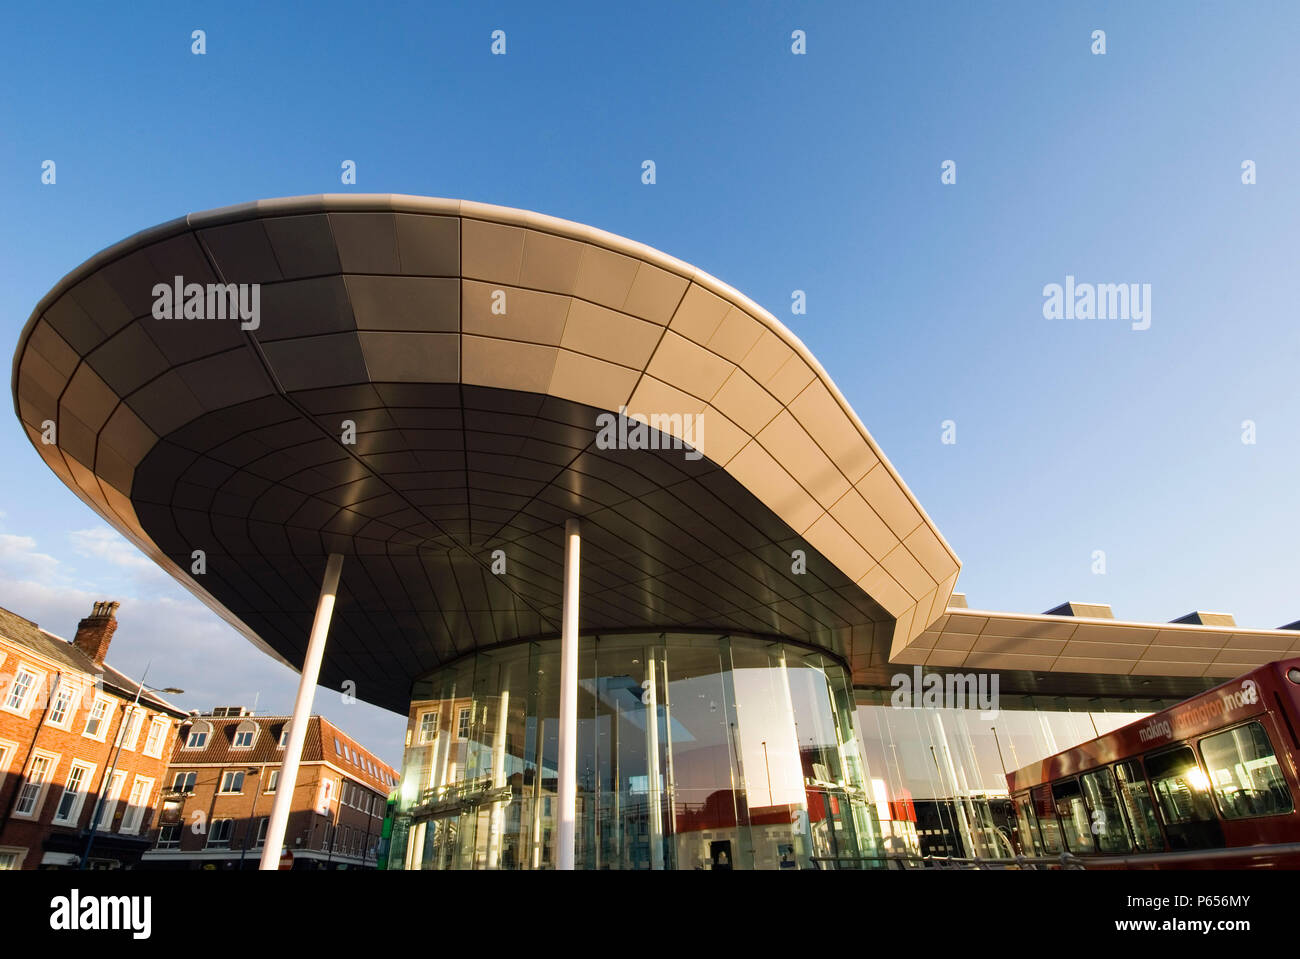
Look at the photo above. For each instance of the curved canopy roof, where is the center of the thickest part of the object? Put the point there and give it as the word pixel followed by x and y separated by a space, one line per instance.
pixel 474 349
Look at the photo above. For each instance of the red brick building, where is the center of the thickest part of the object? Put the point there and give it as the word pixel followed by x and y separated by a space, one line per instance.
pixel 222 780
pixel 64 713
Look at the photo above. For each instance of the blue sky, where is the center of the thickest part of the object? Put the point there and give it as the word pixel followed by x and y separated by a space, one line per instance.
pixel 775 172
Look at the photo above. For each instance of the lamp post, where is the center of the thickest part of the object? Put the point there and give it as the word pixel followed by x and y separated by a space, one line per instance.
pixel 107 781
pixel 770 800
pixel 252 814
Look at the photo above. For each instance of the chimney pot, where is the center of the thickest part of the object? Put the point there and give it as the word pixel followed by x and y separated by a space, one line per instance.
pixel 95 632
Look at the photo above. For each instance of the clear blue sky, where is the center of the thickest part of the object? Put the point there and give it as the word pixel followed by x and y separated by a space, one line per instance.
pixel 775 172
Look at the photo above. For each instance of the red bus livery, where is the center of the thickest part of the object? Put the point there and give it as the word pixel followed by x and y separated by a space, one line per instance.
pixel 1211 783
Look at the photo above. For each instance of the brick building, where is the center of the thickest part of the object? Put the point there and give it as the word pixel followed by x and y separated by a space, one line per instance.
pixel 222 780
pixel 63 714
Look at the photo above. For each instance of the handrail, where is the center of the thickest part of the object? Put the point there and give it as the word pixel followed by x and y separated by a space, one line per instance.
pixel 1064 861
pixel 1067 860
pixel 1201 855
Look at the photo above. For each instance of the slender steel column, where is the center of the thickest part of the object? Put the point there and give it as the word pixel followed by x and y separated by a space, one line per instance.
pixel 654 808
pixel 567 787
pixel 284 789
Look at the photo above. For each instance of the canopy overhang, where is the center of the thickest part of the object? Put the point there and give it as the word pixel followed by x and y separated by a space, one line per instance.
pixel 421 385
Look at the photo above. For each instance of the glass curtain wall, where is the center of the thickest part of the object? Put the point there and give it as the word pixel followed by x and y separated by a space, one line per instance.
pixel 694 752
pixel 938 776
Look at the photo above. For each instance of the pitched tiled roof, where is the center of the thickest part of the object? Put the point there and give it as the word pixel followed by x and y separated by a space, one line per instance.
pixel 220 747
pixel 23 632
pixel 319 746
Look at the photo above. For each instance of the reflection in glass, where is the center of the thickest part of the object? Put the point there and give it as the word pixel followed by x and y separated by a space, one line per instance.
pixel 938 776
pixel 1245 774
pixel 695 752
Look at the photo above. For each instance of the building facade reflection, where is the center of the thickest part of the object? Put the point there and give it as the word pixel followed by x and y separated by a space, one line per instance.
pixel 705 752
pixel 938 775
pixel 696 752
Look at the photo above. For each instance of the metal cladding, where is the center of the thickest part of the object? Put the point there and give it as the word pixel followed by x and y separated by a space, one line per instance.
pixel 431 387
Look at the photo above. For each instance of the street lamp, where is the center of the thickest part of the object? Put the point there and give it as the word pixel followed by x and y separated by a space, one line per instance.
pixel 770 800
pixel 107 781
pixel 249 773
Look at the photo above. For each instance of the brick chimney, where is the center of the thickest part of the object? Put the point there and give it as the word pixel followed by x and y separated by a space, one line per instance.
pixel 95 632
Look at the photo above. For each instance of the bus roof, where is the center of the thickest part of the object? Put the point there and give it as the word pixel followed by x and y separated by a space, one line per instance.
pixel 1222 705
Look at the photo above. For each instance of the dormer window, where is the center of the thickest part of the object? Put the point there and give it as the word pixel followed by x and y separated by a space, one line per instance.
pixel 245 735
pixel 199 733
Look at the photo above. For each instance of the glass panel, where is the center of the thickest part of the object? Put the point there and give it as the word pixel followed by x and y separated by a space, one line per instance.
pixel 675 734
pixel 705 792
pixel 1180 786
pixel 1245 774
pixel 1108 823
pixel 1031 844
pixel 1073 814
pixel 1182 793
pixel 1049 827
pixel 1138 805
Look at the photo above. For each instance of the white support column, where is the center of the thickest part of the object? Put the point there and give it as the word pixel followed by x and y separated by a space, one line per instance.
pixel 567 786
pixel 320 628
pixel 654 801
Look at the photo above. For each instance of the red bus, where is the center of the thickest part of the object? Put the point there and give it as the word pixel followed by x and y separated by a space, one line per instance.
pixel 1211 783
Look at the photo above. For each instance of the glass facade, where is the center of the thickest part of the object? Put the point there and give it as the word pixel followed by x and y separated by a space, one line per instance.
pixel 938 775
pixel 694 752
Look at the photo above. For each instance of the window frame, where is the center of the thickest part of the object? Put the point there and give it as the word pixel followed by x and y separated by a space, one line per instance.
pixel 272 781
pixel 175 843
pixel 38 804
pixel 110 797
pixel 18 852
pixel 132 721
pixel 191 774
pixel 79 797
pixel 157 723
pixel 464 719
pixel 200 728
pixel 1136 765
pixel 133 827
pixel 245 727
pixel 1214 787
pixel 237 774
pixel 8 750
pixel 1027 822
pixel 24 706
pixel 73 692
pixel 105 720
pixel 1107 773
pixel 211 842
pixel 1173 748
pixel 1058 834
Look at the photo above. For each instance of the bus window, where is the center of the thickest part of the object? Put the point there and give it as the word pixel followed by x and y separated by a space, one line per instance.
pixel 1107 820
pixel 1046 815
pixel 1074 815
pixel 1137 803
pixel 1244 772
pixel 1030 843
pixel 1182 793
